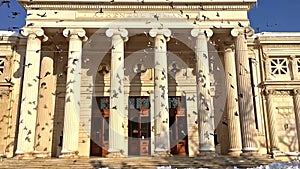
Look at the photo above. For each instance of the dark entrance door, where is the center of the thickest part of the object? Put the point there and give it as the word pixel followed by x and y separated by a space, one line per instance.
pixel 139 126
pixel 100 127
pixel 178 125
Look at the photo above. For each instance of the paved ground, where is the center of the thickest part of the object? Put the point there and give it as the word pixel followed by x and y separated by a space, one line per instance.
pixel 138 162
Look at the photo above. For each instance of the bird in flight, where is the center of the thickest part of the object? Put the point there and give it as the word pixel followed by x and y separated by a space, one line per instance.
pixel 5 2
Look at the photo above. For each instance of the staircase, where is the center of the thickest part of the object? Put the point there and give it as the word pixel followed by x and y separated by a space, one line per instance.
pixel 138 162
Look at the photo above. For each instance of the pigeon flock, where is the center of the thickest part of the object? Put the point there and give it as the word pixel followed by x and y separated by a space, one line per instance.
pixel 159 79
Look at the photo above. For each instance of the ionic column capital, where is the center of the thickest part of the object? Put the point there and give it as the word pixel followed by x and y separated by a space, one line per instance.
pixel 292 57
pixel 68 32
pixel 228 47
pixel 269 92
pixel 296 92
pixel 242 31
pixel 207 32
pixel 265 56
pixel 154 32
pixel 38 32
pixel 122 32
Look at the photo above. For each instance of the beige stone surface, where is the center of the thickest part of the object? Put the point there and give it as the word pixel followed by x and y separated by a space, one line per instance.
pixel 270 61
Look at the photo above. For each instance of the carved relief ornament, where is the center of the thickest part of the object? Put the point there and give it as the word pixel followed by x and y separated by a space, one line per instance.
pixel 268 92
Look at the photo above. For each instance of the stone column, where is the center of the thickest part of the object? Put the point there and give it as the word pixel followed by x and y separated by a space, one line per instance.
pixel 205 113
pixel 246 108
pixel 72 97
pixel 29 102
pixel 297 113
pixel 116 117
pixel 46 106
pixel 161 104
pixel 272 121
pixel 232 107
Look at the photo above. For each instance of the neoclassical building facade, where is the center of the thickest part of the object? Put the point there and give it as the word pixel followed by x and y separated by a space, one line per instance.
pixel 147 78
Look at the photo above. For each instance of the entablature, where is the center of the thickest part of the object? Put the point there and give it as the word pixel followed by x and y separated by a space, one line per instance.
pixel 269 38
pixel 174 14
pixel 280 85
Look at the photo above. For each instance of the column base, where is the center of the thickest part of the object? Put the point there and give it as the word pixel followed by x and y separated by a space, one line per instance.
pixel 69 154
pixel 2 156
pixel 25 156
pixel 115 154
pixel 207 154
pixel 41 154
pixel 207 151
pixel 250 151
pixel 276 153
pixel 234 152
pixel 161 153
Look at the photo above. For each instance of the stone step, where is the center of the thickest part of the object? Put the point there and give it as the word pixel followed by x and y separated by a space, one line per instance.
pixel 137 162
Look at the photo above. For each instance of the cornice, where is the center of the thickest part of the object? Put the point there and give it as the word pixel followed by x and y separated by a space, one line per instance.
pixel 54 5
pixel 277 37
pixel 280 85
pixel 5 84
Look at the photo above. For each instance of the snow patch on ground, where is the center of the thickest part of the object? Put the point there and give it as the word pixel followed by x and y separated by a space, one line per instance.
pixel 280 165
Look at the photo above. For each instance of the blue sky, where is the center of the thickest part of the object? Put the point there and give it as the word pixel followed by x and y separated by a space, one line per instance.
pixel 276 15
pixel 267 15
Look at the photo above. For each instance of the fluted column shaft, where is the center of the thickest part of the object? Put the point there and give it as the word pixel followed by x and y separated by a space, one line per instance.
pixel 205 113
pixel 232 108
pixel 46 107
pixel 116 117
pixel 272 121
pixel 246 108
pixel 72 97
pixel 28 111
pixel 161 105
pixel 297 113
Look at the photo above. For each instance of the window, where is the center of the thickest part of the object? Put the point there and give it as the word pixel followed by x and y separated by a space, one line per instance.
pixel 176 102
pixel 279 66
pixel 139 103
pixel 104 103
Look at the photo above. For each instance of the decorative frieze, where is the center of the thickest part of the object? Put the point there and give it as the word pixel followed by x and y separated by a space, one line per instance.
pixel 4 93
pixel 275 92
